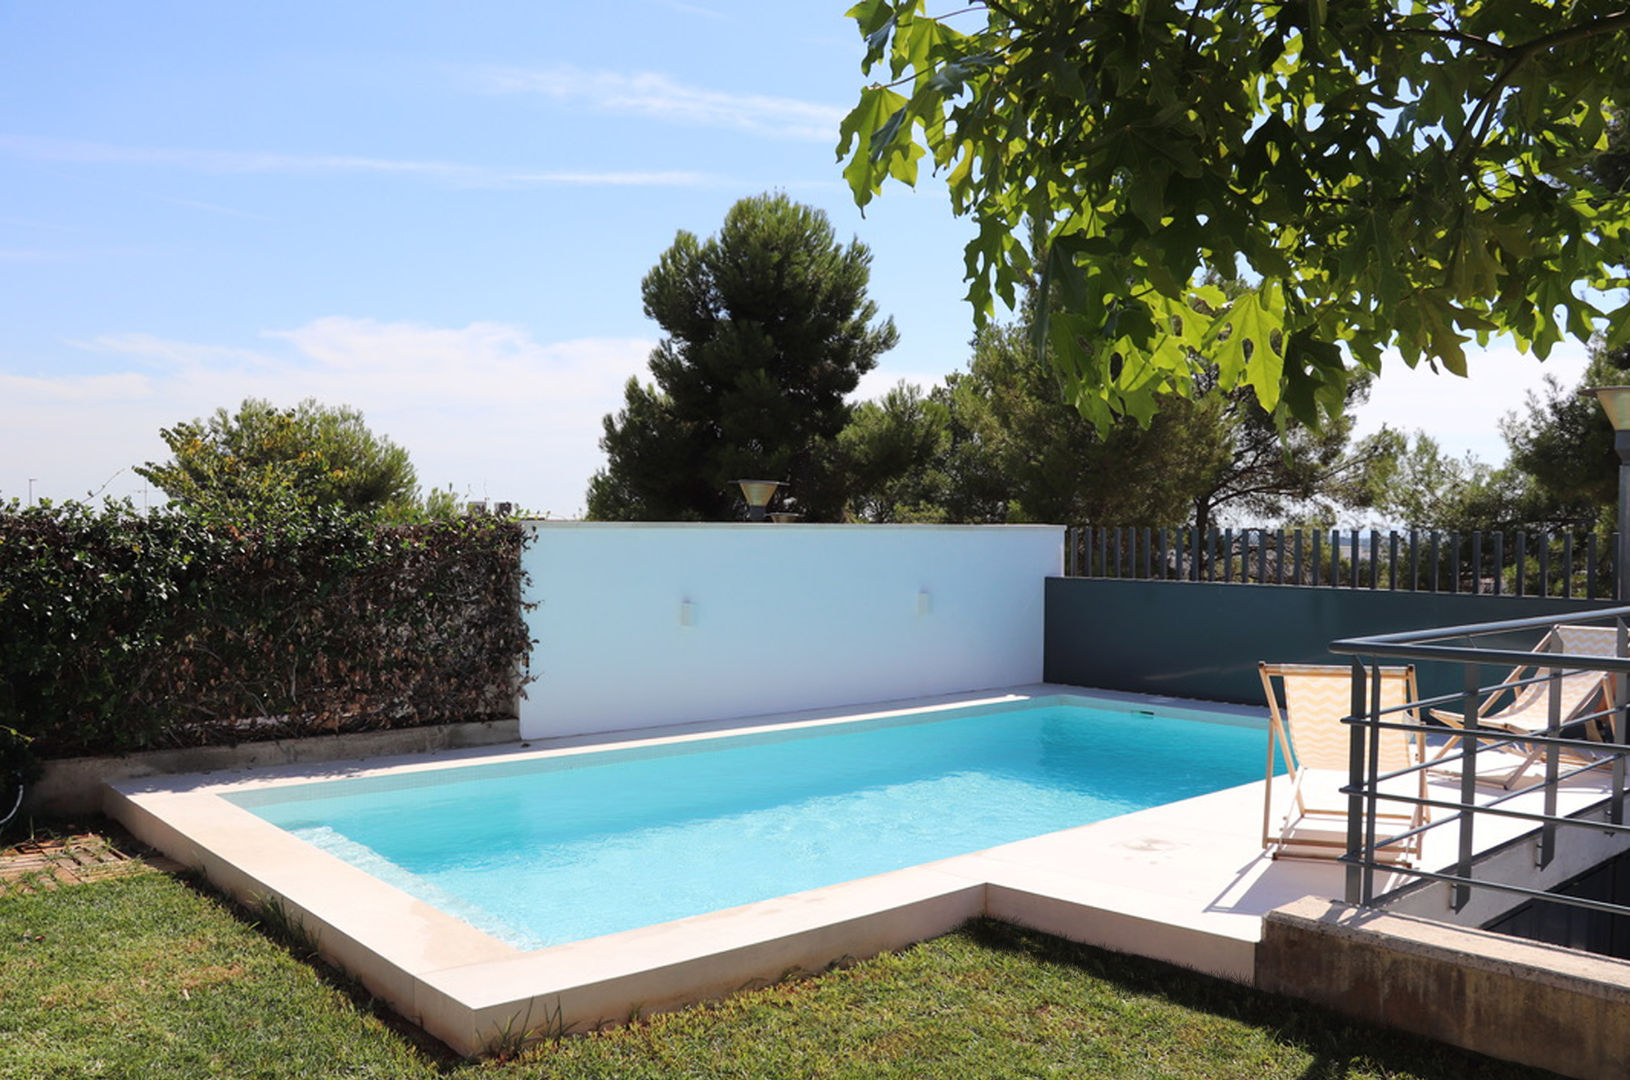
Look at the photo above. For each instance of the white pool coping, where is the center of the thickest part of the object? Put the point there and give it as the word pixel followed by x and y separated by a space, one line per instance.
pixel 1186 883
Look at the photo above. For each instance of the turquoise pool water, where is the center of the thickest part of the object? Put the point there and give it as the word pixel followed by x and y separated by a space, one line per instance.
pixel 554 850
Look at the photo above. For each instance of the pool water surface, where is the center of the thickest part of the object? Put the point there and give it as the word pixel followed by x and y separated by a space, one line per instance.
pixel 560 849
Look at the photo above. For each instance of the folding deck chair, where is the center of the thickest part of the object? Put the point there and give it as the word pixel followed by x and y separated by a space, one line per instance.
pixel 1527 709
pixel 1305 714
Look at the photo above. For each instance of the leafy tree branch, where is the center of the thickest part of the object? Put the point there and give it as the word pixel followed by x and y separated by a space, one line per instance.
pixel 1386 179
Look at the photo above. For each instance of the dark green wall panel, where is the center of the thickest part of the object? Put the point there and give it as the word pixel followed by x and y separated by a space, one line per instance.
pixel 1203 640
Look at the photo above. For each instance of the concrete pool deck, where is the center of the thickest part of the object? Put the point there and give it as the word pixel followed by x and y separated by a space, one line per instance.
pixel 1185 883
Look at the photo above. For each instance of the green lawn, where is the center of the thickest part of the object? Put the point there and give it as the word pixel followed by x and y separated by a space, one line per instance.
pixel 147 975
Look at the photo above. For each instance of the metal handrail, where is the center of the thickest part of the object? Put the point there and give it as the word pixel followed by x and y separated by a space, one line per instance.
pixel 1456 645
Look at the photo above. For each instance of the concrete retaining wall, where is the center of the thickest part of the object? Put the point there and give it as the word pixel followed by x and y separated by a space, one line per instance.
pixel 1518 1000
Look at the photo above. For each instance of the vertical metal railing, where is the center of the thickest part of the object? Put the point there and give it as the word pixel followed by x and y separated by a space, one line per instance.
pixel 1483 562
pixel 1460 646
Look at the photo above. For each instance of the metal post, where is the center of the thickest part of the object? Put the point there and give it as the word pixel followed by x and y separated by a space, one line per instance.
pixel 1355 776
pixel 1621 716
pixel 1553 728
pixel 1544 563
pixel 1590 566
pixel 1567 565
pixel 1621 580
pixel 1522 561
pixel 1372 779
pixel 1462 893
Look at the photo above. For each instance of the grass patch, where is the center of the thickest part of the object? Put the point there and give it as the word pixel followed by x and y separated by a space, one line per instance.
pixel 146 975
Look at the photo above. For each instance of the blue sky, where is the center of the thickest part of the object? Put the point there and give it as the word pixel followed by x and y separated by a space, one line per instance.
pixel 439 214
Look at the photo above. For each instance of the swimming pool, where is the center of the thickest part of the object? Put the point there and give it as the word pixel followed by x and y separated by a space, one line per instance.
pixel 571 847
pixel 1177 882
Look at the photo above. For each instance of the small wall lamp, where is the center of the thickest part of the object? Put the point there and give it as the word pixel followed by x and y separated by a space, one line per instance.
pixel 758 494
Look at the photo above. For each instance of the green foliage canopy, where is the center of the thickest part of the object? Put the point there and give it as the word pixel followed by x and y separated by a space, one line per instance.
pixel 1413 176
pixel 1564 446
pixel 911 457
pixel 1562 473
pixel 768 329
pixel 1056 466
pixel 264 457
pixel 999 443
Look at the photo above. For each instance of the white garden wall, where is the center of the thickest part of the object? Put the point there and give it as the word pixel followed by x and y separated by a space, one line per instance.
pixel 640 625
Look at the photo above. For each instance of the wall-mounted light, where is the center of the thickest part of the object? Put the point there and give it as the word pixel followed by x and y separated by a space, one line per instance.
pixel 758 494
pixel 925 602
pixel 687 613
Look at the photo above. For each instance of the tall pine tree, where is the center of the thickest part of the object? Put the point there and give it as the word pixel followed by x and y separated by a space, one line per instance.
pixel 768 328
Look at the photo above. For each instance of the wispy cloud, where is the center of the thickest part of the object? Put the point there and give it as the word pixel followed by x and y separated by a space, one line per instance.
pixel 175 354
pixel 691 9
pixel 486 406
pixel 453 174
pixel 659 97
pixel 213 208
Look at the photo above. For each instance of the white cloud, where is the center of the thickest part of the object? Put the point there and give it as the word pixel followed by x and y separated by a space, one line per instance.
pixel 879 381
pixel 658 97
pixel 1463 414
pixel 454 174
pixel 484 407
pixel 692 9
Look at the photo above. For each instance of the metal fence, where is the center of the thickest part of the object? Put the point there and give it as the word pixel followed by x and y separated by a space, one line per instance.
pixel 1366 853
pixel 1518 563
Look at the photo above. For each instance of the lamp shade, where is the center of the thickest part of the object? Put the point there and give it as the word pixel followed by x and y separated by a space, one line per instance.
pixel 1615 402
pixel 758 492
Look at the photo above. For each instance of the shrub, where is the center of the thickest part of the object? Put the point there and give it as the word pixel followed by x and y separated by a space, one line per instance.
pixel 126 631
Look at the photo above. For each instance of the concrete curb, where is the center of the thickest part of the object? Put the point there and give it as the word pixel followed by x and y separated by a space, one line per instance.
pixel 72 787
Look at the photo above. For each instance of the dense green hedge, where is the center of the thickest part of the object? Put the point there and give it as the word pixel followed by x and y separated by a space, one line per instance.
pixel 123 631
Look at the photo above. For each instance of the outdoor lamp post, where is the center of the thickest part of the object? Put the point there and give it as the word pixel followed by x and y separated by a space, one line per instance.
pixel 1616 403
pixel 758 494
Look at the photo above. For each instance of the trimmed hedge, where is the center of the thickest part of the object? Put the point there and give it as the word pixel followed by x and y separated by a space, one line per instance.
pixel 121 631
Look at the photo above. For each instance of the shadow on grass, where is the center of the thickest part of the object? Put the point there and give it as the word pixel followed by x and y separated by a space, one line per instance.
pixel 1339 1045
